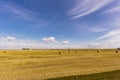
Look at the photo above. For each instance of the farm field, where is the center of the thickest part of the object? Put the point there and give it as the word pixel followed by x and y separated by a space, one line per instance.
pixel 60 64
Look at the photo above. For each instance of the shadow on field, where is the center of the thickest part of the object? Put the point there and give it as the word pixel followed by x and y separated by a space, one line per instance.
pixel 112 75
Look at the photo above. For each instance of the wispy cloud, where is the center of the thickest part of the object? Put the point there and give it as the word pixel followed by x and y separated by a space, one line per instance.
pixel 22 13
pixel 110 34
pixel 114 21
pixel 110 40
pixel 98 29
pixel 112 11
pixel 86 7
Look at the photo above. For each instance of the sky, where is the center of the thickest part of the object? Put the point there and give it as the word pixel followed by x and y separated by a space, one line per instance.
pixel 43 24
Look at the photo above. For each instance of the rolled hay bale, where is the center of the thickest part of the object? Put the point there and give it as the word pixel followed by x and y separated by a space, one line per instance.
pixel 60 53
pixel 87 50
pixel 13 51
pixel 69 50
pixel 98 51
pixel 4 51
pixel 75 51
pixel 117 51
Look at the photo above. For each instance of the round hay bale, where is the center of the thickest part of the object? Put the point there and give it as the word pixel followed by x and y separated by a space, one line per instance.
pixel 99 51
pixel 87 50
pixel 69 50
pixel 76 51
pixel 13 51
pixel 59 52
pixel 117 51
pixel 4 51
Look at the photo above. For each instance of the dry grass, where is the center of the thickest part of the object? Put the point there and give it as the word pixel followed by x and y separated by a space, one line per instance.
pixel 45 64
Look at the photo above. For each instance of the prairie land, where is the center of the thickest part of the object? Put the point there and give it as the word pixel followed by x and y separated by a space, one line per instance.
pixel 59 64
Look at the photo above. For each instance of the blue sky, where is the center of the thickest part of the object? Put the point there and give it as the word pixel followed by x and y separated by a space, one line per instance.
pixel 59 24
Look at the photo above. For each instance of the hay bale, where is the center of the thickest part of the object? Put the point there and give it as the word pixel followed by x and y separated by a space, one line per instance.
pixel 87 50
pixel 13 51
pixel 117 51
pixel 59 52
pixel 4 51
pixel 69 50
pixel 99 51
pixel 76 51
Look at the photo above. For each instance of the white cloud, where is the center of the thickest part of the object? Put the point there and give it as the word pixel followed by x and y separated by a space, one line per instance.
pixel 8 38
pixel 11 42
pixel 50 40
pixel 6 43
pixel 65 42
pixel 86 7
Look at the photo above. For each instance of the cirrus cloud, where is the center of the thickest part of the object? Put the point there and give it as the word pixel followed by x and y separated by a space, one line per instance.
pixel 86 7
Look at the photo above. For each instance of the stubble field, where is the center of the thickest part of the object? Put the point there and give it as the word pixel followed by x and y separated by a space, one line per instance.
pixel 59 64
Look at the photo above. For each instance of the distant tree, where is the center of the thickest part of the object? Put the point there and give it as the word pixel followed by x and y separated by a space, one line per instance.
pixel 25 48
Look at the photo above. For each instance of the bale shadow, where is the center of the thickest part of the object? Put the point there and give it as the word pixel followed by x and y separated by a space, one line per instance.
pixel 112 75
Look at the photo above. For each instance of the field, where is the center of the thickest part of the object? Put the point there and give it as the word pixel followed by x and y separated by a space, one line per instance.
pixel 60 64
